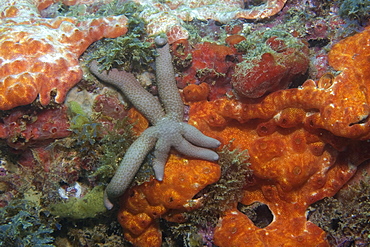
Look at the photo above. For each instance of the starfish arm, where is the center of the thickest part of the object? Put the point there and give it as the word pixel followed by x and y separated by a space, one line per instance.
pixel 161 151
pixel 143 101
pixel 188 149
pixel 129 166
pixel 166 82
pixel 197 138
pixel 167 131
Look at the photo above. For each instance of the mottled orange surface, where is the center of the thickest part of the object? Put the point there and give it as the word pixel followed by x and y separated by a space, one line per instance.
pixel 39 56
pixel 338 104
pixel 292 168
pixel 142 205
pixel 194 92
pixel 304 145
pixel 271 8
pixel 210 63
pixel 138 121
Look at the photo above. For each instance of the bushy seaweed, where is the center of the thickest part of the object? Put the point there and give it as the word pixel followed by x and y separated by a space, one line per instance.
pixel 113 146
pixel 99 144
pixel 255 44
pixel 346 217
pixel 228 190
pixel 99 9
pixel 355 10
pixel 216 199
pixel 85 129
pixel 100 231
pixel 130 51
pixel 120 7
pixel 23 224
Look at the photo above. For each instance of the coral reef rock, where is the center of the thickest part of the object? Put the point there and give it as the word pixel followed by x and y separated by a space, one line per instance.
pixel 169 16
pixel 143 205
pixel 304 144
pixel 39 56
pixel 276 59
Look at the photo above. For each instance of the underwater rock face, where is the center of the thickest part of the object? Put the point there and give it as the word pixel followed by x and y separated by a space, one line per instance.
pixel 170 16
pixel 25 127
pixel 39 56
pixel 142 206
pixel 278 58
pixel 300 152
pixel 206 62
pixel 304 142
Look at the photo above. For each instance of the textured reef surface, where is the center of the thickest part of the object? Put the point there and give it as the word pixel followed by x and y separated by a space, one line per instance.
pixel 253 131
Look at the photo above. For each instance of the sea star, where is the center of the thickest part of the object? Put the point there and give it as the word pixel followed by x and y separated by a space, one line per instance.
pixel 167 130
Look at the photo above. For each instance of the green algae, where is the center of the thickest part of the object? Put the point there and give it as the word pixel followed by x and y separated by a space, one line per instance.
pixel 80 118
pixel 23 223
pixel 113 147
pixel 345 217
pixel 215 198
pixel 222 195
pixel 88 206
pixel 131 51
pixel 355 10
pixel 102 146
pixel 84 127
pixel 254 46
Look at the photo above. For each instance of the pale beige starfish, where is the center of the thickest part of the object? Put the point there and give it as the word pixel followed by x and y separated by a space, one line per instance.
pixel 168 129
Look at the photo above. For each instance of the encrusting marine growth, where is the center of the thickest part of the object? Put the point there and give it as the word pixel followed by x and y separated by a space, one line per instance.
pixel 168 128
pixel 39 56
